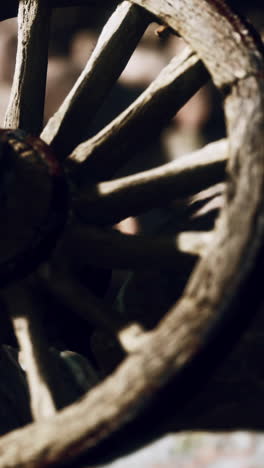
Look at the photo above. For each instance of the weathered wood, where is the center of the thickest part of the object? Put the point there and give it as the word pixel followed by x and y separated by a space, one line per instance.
pixel 51 379
pixel 118 40
pixel 227 269
pixel 34 355
pixel 109 202
pixel 26 103
pixel 114 145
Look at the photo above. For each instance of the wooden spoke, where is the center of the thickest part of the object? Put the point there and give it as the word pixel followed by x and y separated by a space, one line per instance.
pixel 9 9
pixel 171 361
pixel 34 354
pixel 89 307
pixel 118 41
pixel 113 249
pixel 26 102
pixel 109 202
pixel 103 154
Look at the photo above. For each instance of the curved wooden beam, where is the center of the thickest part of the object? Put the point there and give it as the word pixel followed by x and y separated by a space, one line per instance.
pixel 230 265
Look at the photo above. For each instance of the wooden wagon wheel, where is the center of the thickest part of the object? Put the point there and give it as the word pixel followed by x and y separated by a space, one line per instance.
pixel 227 271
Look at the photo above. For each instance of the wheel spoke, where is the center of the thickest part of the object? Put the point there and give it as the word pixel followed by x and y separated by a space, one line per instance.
pixel 26 104
pixel 35 357
pixel 113 249
pixel 118 41
pixel 170 363
pixel 110 202
pixel 112 147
